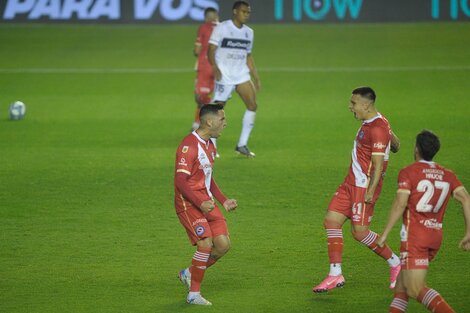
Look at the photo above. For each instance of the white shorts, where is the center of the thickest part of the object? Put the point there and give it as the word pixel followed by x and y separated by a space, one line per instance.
pixel 223 92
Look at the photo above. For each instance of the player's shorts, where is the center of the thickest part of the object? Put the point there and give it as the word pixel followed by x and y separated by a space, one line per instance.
pixel 349 201
pixel 419 250
pixel 199 226
pixel 205 81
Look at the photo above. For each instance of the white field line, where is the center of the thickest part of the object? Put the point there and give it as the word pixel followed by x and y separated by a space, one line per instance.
pixel 266 69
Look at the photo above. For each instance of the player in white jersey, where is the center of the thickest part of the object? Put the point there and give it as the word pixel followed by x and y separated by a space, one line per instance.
pixel 230 48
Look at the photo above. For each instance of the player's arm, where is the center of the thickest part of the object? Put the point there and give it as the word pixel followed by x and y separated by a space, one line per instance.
pixel 181 182
pixel 197 49
pixel 229 204
pixel 461 195
pixel 211 57
pixel 250 62
pixel 398 207
pixel 377 164
pixel 394 142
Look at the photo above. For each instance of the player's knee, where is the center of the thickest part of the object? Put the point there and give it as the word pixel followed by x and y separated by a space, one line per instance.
pixel 413 291
pixel 359 235
pixel 223 247
pixel 330 224
pixel 252 106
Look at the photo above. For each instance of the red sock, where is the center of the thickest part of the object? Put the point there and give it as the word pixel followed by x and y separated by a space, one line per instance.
pixel 369 238
pixel 399 303
pixel 335 241
pixel 433 301
pixel 198 267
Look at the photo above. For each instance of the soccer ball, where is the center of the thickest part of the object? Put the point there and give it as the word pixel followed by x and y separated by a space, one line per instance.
pixel 17 110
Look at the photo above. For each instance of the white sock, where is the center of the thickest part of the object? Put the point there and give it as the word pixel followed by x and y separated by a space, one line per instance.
pixel 192 294
pixel 394 260
pixel 248 123
pixel 335 269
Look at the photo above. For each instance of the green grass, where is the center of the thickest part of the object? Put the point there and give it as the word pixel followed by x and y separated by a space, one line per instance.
pixel 87 222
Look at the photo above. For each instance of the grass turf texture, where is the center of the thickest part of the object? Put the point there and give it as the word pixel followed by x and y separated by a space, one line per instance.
pixel 87 222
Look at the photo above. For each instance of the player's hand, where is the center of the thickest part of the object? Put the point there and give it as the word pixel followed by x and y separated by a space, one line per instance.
pixel 465 243
pixel 217 73
pixel 230 204
pixel 207 206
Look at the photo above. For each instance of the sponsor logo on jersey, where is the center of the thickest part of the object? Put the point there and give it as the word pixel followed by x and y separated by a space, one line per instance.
pixel 431 223
pixel 185 149
pixel 421 262
pixel 235 43
pixel 200 230
pixel 379 145
pixel 356 218
pixel 182 162
pixel 199 220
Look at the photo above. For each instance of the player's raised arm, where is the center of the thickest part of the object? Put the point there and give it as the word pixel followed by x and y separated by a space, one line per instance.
pixel 463 197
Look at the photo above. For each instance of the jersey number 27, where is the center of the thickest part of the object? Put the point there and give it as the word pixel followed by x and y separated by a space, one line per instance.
pixel 429 188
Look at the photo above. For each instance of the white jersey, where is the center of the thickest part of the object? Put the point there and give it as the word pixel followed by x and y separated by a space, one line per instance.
pixel 233 46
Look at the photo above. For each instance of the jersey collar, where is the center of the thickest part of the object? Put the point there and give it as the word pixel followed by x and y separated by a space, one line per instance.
pixel 199 138
pixel 372 119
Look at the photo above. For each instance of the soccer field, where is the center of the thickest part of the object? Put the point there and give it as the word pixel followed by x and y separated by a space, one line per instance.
pixel 87 222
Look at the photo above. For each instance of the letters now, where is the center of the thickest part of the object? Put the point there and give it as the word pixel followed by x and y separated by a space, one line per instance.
pixel 317 10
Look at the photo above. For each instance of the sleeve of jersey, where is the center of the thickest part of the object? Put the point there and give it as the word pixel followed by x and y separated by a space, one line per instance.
pixel 250 47
pixel 185 158
pixel 404 182
pixel 380 138
pixel 216 36
pixel 181 182
pixel 217 193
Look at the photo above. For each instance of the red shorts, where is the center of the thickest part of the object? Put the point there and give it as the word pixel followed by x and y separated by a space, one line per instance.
pixel 419 250
pixel 349 201
pixel 205 81
pixel 199 226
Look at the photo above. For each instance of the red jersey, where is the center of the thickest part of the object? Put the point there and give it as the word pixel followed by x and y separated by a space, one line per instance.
pixel 430 187
pixel 194 157
pixel 203 34
pixel 373 138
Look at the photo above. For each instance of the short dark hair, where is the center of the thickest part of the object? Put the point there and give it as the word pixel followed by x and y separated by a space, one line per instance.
pixel 238 4
pixel 210 109
pixel 209 10
pixel 365 92
pixel 428 144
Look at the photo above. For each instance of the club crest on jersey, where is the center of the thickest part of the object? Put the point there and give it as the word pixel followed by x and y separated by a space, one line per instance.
pixel 185 149
pixel 361 135
pixel 200 230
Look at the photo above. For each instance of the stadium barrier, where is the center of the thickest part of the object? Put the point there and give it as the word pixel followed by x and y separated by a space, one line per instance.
pixel 264 11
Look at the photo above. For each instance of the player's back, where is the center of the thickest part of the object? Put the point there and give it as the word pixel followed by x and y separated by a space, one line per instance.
pixel 430 186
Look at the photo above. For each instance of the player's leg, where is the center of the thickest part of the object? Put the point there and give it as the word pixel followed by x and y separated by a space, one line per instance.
pixel 369 238
pixel 415 283
pixel 247 92
pixel 220 235
pixel 198 269
pixel 362 214
pixel 400 299
pixel 335 217
pixel 203 91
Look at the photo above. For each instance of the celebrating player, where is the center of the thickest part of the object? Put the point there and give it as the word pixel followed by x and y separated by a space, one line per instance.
pixel 356 196
pixel 424 189
pixel 195 190
pixel 230 48
pixel 205 76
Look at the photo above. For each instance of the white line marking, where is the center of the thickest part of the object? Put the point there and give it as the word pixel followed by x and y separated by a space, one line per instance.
pixel 437 68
